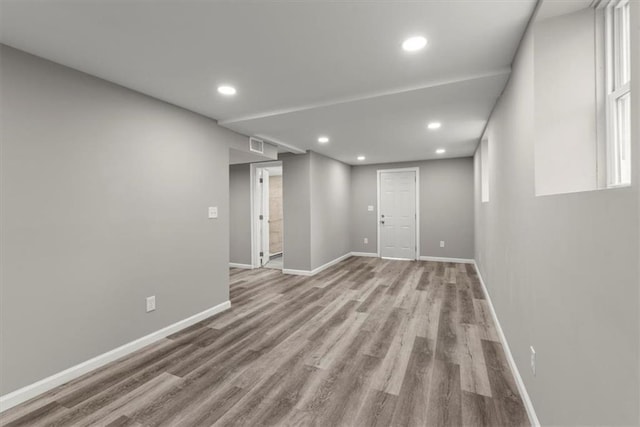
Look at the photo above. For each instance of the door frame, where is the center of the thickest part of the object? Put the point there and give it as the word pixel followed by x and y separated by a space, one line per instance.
pixel 417 200
pixel 255 211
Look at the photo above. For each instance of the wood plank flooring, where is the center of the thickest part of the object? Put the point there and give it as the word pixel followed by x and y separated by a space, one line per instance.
pixel 368 342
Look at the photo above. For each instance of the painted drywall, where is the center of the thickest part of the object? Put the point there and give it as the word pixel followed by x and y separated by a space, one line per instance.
pixel 635 130
pixel 446 206
pixel 565 103
pixel 104 197
pixel 296 195
pixel 241 154
pixel 563 270
pixel 330 209
pixel 240 214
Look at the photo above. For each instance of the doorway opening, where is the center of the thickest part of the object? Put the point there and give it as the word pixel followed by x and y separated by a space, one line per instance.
pixel 267 229
pixel 398 213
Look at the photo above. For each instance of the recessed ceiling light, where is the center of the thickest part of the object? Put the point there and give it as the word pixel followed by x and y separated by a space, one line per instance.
pixel 227 90
pixel 361 158
pixel 441 151
pixel 413 44
pixel 323 139
pixel 434 125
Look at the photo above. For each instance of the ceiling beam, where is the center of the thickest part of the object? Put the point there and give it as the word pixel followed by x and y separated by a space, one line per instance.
pixel 338 101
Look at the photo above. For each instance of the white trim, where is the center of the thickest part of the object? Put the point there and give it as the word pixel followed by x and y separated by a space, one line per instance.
pixel 319 269
pixel 236 265
pixel 297 272
pixel 528 405
pixel 367 254
pixel 25 393
pixel 252 207
pixel 265 223
pixel 445 259
pixel 417 200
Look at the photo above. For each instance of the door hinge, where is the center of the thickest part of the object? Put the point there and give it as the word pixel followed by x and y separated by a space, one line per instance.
pixel 261 180
pixel 261 217
pixel 261 254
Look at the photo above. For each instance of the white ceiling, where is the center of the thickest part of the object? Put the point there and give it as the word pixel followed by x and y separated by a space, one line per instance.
pixel 302 68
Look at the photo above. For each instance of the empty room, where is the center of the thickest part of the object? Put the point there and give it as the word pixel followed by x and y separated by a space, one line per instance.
pixel 319 213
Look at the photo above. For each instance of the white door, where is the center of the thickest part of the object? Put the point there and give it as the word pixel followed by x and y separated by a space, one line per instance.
pixel 397 212
pixel 264 223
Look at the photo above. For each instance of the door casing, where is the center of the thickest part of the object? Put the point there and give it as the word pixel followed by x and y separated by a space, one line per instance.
pixel 258 201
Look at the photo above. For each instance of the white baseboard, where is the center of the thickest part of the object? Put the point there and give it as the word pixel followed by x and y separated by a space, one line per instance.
pixel 25 393
pixel 236 265
pixel 443 259
pixel 533 418
pixel 367 254
pixel 319 269
pixel 296 272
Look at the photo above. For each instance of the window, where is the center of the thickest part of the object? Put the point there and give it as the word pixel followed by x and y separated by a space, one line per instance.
pixel 618 92
pixel 484 169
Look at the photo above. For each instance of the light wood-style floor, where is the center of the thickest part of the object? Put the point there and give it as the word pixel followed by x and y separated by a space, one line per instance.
pixel 366 342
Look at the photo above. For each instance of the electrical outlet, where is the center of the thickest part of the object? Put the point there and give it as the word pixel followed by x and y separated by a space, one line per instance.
pixel 213 212
pixel 151 303
pixel 370 208
pixel 366 241
pixel 442 243
pixel 533 361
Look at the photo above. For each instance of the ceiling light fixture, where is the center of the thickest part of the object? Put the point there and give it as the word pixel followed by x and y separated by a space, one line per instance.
pixel 441 151
pixel 227 90
pixel 323 139
pixel 361 158
pixel 413 44
pixel 434 125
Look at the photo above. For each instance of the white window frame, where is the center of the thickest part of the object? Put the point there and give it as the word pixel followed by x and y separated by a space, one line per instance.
pixel 484 170
pixel 618 86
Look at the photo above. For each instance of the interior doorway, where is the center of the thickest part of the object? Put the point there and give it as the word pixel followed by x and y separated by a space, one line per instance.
pixel 398 213
pixel 268 219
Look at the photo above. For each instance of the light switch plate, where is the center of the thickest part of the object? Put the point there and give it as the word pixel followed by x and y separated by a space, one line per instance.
pixel 442 243
pixel 151 303
pixel 533 360
pixel 366 241
pixel 213 212
pixel 370 208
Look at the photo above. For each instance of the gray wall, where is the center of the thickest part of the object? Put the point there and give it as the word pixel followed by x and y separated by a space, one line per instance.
pixel 104 196
pixel 240 213
pixel 296 195
pixel 330 209
pixel 563 270
pixel 316 211
pixel 446 206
